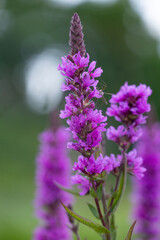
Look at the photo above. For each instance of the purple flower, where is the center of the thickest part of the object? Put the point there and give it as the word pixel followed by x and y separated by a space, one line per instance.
pixel 128 105
pixel 52 164
pixel 83 183
pixel 85 122
pixel 146 192
pixel 124 136
pixel 95 166
pixel 135 164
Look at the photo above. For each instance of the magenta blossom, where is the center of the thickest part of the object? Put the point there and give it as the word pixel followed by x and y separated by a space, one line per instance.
pixel 95 166
pixel 85 122
pixel 128 105
pixel 146 193
pixel 83 183
pixel 124 136
pixel 52 164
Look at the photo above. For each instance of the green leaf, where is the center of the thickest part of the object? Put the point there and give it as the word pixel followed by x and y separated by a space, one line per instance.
pixel 93 210
pixel 66 189
pixel 129 235
pixel 99 192
pixel 93 193
pixel 95 226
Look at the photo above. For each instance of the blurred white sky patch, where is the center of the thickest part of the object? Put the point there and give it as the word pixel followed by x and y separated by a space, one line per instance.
pixel 70 3
pixel 43 81
pixel 149 11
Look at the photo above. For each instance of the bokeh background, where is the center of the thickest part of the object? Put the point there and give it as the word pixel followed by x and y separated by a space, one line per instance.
pixel 123 36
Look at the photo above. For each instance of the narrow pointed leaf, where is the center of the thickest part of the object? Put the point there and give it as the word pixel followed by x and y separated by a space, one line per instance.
pixel 71 191
pixel 95 226
pixel 129 235
pixel 93 210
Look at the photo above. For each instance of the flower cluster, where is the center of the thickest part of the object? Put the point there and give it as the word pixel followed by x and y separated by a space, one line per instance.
pixel 86 123
pixel 146 193
pixel 91 166
pixel 128 107
pixel 52 164
pixel 129 104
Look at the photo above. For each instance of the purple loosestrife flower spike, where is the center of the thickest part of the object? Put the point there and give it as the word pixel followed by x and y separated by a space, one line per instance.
pixel 85 121
pixel 146 192
pixel 76 41
pixel 53 165
pixel 128 107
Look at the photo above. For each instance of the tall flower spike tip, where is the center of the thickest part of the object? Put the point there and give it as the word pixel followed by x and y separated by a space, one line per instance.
pixel 76 35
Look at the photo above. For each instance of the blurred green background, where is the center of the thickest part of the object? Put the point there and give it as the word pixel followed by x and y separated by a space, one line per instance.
pixel 114 35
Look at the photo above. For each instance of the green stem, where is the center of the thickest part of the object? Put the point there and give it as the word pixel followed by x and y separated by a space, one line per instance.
pixel 105 206
pixel 106 218
pixel 99 212
pixel 113 227
pixel 121 178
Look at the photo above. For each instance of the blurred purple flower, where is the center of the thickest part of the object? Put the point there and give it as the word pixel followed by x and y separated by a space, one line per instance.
pixel 53 165
pixel 146 192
